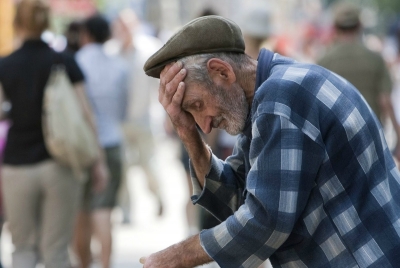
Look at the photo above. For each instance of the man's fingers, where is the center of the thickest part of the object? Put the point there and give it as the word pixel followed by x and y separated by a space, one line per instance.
pixel 142 260
pixel 178 96
pixel 169 74
pixel 172 86
pixel 167 94
pixel 166 68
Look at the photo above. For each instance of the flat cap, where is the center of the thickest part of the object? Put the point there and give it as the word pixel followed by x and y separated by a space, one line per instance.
pixel 206 34
pixel 346 14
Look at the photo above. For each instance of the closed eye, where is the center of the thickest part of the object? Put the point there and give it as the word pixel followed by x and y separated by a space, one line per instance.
pixel 194 106
pixel 197 105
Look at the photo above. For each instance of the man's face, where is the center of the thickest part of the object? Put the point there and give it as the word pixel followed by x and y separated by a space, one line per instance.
pixel 224 108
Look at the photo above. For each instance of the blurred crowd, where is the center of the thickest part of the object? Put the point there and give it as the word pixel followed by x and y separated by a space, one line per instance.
pixel 104 56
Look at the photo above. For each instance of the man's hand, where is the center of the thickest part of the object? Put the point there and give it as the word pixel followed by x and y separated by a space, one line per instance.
pixel 171 92
pixel 100 176
pixel 187 253
pixel 160 259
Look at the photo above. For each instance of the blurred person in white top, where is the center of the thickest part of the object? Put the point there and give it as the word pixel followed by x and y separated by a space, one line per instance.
pixel 256 25
pixel 143 119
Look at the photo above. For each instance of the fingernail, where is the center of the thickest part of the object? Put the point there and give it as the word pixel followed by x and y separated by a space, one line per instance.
pixel 182 71
pixel 179 63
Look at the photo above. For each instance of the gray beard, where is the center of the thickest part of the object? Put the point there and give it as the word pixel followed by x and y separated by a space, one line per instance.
pixel 234 111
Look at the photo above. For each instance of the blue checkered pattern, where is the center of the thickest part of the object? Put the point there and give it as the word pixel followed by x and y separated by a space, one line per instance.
pixel 311 182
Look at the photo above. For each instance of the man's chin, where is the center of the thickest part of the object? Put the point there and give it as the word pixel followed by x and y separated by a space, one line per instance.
pixel 233 130
pixel 231 127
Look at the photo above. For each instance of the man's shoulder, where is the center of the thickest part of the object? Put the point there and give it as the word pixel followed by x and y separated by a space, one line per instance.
pixel 299 86
pixel 374 56
pixel 82 54
pixel 286 74
pixel 11 62
pixel 90 50
pixel 10 57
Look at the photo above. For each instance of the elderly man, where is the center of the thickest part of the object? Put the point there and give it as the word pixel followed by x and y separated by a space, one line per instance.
pixel 311 182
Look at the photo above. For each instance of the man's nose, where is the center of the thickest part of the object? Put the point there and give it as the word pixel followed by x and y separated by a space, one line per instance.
pixel 204 124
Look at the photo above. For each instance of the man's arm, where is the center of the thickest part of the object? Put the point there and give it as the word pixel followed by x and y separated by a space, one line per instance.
pixel 99 170
pixel 285 163
pixel 187 253
pixel 171 92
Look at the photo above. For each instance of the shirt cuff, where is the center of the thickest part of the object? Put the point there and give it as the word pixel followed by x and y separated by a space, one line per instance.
pixel 213 241
pixel 197 189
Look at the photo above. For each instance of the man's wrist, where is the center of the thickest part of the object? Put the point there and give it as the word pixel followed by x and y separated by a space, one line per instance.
pixel 193 253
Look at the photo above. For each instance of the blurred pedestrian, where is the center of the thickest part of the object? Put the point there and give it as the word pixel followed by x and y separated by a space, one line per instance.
pixel 395 70
pixel 106 80
pixel 310 182
pixel 365 69
pixel 72 35
pixel 256 25
pixel 41 197
pixel 135 48
pixel 4 126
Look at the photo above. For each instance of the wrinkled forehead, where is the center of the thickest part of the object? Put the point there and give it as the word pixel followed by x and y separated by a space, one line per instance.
pixel 195 92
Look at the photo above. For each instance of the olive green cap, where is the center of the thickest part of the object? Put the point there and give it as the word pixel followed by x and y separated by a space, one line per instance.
pixel 208 34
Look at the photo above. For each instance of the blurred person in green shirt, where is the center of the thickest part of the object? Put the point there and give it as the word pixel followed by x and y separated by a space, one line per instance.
pixel 365 69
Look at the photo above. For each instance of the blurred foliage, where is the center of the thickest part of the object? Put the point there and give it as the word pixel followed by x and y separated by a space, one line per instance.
pixel 384 5
pixel 100 4
pixel 389 5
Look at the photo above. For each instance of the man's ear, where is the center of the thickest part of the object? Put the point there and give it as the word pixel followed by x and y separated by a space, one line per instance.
pixel 220 71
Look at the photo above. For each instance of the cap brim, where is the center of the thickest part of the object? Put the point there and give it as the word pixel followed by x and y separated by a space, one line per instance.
pixel 156 70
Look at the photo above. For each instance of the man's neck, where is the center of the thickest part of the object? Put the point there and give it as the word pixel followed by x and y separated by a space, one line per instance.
pixel 348 36
pixel 248 80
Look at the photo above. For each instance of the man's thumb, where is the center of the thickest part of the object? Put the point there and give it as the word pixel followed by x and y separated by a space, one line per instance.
pixel 142 260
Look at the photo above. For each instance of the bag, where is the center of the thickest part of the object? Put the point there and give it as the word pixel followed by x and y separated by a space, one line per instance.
pixel 68 137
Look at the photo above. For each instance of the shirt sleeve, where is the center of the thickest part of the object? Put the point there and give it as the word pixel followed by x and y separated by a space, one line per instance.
pixel 284 164
pixel 224 184
pixel 74 71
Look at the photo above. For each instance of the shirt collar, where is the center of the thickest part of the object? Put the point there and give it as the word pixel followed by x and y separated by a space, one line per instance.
pixel 263 69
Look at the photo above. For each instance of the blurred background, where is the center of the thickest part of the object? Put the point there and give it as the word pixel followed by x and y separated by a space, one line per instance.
pixel 294 21
pixel 301 29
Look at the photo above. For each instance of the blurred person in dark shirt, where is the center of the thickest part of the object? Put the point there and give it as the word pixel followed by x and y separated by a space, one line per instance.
pixel 72 35
pixel 41 196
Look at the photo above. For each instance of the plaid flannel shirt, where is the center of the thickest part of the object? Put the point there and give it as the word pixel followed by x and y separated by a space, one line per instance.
pixel 311 181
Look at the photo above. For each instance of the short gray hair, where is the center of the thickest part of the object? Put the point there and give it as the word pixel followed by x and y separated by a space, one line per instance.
pixel 196 66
